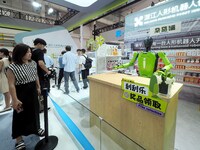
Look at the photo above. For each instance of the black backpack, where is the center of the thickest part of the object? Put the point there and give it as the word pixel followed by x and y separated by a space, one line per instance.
pixel 88 62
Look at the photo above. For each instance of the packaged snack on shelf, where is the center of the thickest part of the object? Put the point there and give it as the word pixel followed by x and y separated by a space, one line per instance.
pixel 186 79
pixel 189 53
pixel 188 60
pixel 194 74
pixel 198 52
pixel 187 74
pixel 194 53
pixel 196 80
pixel 191 79
pixel 193 60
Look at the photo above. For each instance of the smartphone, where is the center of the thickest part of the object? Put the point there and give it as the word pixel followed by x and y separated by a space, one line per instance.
pixel 19 108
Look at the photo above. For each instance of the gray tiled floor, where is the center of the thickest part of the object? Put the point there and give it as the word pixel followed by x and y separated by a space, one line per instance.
pixel 187 126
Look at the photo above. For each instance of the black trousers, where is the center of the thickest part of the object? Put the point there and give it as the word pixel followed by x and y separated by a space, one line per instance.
pixel 85 73
pixel 44 83
pixel 60 75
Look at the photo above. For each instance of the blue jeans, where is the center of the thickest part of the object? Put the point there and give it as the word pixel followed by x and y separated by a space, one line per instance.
pixel 1 97
pixel 72 76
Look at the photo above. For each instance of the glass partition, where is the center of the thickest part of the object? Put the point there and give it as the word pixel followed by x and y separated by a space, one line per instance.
pixel 96 131
pixel 113 139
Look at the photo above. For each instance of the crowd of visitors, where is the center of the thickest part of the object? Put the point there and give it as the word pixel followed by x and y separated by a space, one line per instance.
pixel 24 79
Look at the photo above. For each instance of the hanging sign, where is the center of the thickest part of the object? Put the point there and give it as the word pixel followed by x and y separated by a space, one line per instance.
pixel 163 29
pixel 145 99
pixel 172 42
pixel 166 13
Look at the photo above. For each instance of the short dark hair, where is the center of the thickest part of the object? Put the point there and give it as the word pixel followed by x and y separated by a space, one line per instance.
pixel 41 41
pixel 4 51
pixel 63 52
pixel 78 50
pixel 83 50
pixel 68 48
pixel 19 52
pixel 44 50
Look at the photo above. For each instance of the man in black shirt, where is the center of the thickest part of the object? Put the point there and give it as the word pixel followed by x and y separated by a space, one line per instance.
pixel 38 57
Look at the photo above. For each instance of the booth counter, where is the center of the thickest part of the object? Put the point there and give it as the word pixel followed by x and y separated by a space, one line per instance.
pixel 151 131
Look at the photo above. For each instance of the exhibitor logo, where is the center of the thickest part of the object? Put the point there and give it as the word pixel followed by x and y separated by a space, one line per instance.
pixel 179 10
pixel 139 21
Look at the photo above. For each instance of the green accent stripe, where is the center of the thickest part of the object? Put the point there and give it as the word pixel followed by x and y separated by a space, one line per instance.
pixel 100 12
pixel 15 27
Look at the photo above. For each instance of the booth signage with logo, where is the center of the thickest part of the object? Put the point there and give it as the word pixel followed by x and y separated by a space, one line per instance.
pixel 163 14
pixel 144 98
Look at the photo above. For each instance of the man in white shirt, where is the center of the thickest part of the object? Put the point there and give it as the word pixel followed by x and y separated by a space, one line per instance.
pixel 49 64
pixel 47 59
pixel 69 61
pixel 84 71
pixel 78 71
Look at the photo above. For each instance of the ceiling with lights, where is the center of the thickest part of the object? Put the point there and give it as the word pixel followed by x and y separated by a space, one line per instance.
pixel 36 14
pixel 40 14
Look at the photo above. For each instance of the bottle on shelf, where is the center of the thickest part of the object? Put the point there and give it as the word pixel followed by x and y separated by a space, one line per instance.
pixel 114 52
pixel 108 65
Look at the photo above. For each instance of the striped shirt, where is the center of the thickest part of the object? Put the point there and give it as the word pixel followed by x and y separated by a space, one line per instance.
pixel 24 73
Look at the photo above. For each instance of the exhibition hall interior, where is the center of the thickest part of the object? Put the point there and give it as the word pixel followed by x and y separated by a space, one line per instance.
pixel 99 74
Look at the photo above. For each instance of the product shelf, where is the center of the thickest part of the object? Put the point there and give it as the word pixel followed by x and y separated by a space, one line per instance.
pixel 191 84
pixel 186 64
pixel 184 56
pixel 186 70
pixel 190 76
pixel 113 55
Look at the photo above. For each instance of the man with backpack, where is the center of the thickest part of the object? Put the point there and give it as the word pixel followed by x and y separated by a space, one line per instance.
pixel 85 63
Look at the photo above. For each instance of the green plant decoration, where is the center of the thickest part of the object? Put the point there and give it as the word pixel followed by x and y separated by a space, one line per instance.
pixel 100 40
pixel 159 77
pixel 89 43
pixel 95 44
pixel 165 74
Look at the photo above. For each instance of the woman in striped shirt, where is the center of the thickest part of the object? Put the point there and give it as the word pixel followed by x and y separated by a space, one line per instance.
pixel 24 88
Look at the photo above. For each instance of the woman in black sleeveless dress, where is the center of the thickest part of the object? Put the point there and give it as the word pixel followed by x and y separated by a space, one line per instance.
pixel 24 89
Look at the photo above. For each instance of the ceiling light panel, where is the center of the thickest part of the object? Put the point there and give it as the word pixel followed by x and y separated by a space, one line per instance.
pixel 82 3
pixel 50 10
pixel 36 4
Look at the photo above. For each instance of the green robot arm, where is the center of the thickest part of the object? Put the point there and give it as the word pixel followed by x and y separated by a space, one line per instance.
pixel 166 61
pixel 131 63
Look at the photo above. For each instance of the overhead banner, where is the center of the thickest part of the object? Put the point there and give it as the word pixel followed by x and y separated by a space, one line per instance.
pixel 168 28
pixel 145 99
pixel 175 42
pixel 166 13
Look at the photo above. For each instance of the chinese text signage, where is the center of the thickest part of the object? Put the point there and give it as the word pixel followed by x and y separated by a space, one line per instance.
pixel 176 42
pixel 169 28
pixel 141 95
pixel 168 12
